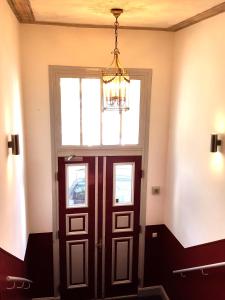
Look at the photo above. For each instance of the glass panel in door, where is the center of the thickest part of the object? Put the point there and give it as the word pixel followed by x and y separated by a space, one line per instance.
pixel 76 185
pixel 123 177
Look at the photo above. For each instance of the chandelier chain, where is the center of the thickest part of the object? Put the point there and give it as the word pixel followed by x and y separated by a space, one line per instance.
pixel 116 50
pixel 115 79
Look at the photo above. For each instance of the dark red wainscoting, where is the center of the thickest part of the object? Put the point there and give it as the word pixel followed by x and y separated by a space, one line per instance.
pixel 164 254
pixel 11 266
pixel 39 260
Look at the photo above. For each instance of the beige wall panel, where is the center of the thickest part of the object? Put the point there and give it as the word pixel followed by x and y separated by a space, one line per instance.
pixel 195 205
pixel 54 45
pixel 13 207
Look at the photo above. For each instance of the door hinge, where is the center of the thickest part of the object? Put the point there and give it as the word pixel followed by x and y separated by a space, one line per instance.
pixel 142 173
pixel 139 281
pixel 57 234
pixel 57 176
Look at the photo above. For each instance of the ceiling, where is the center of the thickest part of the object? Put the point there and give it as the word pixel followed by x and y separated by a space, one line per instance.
pixel 160 14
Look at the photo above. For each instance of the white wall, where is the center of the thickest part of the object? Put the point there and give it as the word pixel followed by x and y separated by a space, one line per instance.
pixel 54 45
pixel 195 204
pixel 13 224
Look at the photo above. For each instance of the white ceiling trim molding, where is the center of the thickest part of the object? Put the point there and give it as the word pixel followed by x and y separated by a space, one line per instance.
pixel 136 17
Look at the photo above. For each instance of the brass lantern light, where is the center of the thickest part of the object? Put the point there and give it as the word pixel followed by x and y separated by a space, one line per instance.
pixel 115 78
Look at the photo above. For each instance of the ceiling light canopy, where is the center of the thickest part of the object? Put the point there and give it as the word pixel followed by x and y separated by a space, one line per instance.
pixel 115 78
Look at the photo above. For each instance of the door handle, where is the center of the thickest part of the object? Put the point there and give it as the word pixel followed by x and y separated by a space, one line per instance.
pixel 99 244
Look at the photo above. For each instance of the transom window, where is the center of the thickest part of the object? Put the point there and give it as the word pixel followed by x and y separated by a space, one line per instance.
pixel 83 122
pixel 78 116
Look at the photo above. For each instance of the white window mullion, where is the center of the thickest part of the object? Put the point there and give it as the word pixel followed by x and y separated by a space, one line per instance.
pixel 81 117
pixel 121 124
pixel 101 112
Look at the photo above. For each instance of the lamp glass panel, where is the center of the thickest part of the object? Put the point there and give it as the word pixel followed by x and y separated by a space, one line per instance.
pixel 111 128
pixel 70 111
pixel 130 118
pixel 91 111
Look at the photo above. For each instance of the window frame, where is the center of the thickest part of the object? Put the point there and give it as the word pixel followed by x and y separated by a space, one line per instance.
pixel 57 72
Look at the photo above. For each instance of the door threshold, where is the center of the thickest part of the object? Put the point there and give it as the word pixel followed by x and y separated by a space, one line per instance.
pixel 120 297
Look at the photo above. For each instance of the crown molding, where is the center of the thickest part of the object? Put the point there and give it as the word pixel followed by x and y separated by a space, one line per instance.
pixel 213 11
pixel 94 26
pixel 24 14
pixel 22 10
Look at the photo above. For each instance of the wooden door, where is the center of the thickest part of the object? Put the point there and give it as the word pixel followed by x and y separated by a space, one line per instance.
pixel 99 207
pixel 123 177
pixel 77 227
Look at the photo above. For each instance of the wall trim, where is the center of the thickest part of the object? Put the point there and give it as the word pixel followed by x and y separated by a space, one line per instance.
pixel 12 256
pixel 22 10
pixel 120 297
pixel 154 290
pixel 149 228
pixel 209 13
pixel 24 14
pixel 48 298
pixel 164 294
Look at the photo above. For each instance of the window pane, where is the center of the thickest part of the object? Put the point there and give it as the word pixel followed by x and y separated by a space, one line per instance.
pixel 92 124
pixel 111 128
pixel 130 118
pixel 70 111
pixel 123 184
pixel 76 185
pixel 91 108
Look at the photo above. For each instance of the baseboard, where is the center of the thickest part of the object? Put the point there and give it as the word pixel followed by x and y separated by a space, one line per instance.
pixel 48 298
pixel 121 297
pixel 164 294
pixel 155 290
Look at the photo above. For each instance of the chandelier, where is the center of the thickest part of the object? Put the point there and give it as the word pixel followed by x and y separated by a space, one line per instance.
pixel 115 79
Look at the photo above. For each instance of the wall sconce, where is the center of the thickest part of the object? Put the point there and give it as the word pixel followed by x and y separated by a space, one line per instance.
pixel 215 143
pixel 14 144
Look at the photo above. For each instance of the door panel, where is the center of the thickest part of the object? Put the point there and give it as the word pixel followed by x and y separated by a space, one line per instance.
pixel 122 225
pixel 77 263
pixel 99 206
pixel 122 260
pixel 77 227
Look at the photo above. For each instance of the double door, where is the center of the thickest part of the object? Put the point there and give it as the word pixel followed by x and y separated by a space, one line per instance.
pixel 99 207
